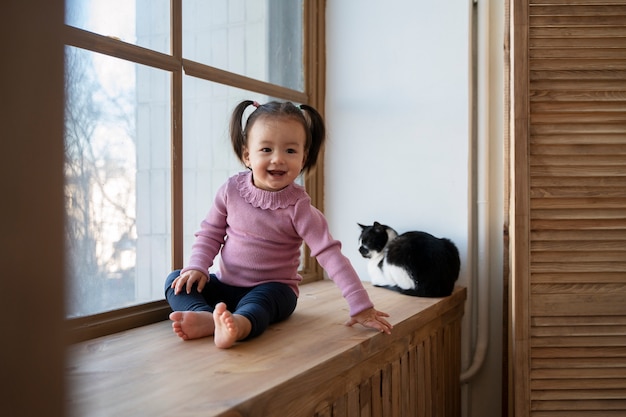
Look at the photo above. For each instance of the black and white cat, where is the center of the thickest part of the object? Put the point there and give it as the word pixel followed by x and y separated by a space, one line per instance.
pixel 413 263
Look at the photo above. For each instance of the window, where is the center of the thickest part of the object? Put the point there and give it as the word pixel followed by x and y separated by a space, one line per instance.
pixel 150 85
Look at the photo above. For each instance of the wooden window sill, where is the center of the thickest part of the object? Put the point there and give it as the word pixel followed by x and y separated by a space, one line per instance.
pixel 311 364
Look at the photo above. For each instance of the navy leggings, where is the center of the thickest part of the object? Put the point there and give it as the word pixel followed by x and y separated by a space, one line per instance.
pixel 263 305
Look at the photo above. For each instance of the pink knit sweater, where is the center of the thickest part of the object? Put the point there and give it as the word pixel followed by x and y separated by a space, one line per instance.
pixel 260 233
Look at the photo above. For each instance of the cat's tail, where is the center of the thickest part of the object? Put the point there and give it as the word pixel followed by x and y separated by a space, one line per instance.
pixel 453 265
pixel 454 260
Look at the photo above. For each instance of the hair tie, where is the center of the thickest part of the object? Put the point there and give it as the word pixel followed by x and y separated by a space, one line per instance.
pixel 255 104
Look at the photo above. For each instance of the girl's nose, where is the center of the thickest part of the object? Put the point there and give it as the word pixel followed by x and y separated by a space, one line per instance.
pixel 276 158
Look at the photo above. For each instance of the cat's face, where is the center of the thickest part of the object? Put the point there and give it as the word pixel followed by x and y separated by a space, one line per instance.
pixel 373 239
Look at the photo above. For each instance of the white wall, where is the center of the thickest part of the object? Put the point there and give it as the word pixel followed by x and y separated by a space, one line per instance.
pixel 398 151
pixel 397 111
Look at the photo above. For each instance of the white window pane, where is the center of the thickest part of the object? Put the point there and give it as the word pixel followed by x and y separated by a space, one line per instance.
pixel 117 144
pixel 145 23
pixel 260 39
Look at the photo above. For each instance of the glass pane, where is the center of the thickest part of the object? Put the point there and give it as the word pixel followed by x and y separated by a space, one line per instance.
pixel 144 23
pixel 208 158
pixel 117 173
pixel 260 39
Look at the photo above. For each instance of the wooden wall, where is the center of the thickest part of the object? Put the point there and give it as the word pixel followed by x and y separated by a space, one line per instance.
pixel 31 184
pixel 569 171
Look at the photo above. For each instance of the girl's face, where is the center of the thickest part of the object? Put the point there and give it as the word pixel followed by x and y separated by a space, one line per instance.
pixel 275 152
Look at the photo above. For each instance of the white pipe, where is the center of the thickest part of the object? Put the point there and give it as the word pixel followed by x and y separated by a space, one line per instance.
pixel 482 260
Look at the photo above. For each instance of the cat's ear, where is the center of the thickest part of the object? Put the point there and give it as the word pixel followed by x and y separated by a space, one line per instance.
pixel 361 226
pixel 376 224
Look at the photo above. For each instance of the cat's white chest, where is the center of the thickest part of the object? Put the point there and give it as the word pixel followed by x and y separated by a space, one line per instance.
pixel 376 274
pixel 389 274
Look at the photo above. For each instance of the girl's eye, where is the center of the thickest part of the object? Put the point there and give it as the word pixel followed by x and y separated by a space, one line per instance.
pixel 266 150
pixel 291 151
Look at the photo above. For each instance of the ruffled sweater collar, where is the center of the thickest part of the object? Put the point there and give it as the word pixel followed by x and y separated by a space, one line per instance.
pixel 264 199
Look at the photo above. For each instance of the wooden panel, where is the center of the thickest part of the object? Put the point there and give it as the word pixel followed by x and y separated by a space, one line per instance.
pixel 573 169
pixel 519 297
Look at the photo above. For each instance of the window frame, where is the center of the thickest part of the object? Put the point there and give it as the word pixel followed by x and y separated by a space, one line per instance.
pixel 88 327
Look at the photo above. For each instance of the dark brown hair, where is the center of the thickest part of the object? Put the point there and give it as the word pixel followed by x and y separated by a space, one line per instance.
pixel 310 119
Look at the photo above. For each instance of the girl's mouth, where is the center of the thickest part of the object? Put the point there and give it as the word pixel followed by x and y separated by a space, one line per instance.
pixel 276 173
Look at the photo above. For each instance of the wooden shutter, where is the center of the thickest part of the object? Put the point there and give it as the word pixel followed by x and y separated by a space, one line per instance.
pixel 576 225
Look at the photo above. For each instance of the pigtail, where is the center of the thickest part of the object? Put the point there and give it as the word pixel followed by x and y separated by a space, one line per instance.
pixel 237 132
pixel 318 135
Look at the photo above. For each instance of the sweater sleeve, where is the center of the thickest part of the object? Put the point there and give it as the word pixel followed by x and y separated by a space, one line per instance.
pixel 312 226
pixel 211 236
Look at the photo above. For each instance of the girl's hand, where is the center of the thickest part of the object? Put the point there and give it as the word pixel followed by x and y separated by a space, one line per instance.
pixel 187 279
pixel 372 318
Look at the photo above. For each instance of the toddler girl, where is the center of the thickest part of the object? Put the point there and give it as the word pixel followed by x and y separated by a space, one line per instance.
pixel 258 221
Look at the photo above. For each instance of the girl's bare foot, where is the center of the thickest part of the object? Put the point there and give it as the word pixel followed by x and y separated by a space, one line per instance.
pixel 229 327
pixel 192 324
